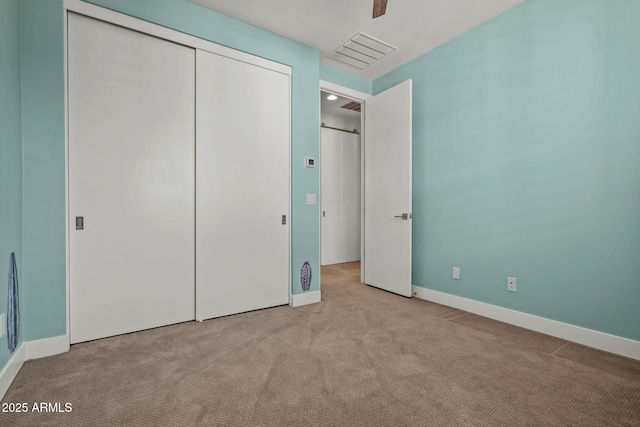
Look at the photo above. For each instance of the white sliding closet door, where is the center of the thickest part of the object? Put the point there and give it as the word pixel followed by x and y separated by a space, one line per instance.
pixel 242 186
pixel 131 177
pixel 340 174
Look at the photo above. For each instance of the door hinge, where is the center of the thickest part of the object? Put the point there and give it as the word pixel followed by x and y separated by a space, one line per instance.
pixel 79 223
pixel 284 220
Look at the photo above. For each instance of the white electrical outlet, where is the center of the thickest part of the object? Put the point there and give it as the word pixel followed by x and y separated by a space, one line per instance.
pixel 456 273
pixel 3 324
pixel 512 284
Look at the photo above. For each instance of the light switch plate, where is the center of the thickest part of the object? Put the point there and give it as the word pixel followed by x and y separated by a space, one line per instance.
pixel 311 199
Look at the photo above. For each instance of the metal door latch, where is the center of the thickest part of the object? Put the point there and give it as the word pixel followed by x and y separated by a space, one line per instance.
pixel 404 216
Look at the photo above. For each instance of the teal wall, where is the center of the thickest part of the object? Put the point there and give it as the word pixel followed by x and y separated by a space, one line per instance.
pixel 44 270
pixel 526 160
pixel 526 154
pixel 10 153
pixel 43 216
pixel 343 78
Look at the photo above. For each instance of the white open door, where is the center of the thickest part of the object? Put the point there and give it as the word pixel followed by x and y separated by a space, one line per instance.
pixel 387 189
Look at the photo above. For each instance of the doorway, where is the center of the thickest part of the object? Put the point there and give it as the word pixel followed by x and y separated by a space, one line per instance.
pixel 385 219
pixel 340 180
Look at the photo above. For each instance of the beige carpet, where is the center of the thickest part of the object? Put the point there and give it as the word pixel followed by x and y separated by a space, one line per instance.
pixel 361 357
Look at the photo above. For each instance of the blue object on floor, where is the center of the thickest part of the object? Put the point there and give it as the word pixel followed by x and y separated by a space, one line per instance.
pixel 13 306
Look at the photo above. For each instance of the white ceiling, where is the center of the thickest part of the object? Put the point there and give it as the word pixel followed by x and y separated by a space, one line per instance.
pixel 333 107
pixel 414 26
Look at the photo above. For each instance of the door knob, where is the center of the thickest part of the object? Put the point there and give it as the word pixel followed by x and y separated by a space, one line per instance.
pixel 404 216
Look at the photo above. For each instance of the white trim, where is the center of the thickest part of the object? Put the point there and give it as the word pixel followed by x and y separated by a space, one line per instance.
pixel 304 299
pixel 30 350
pixel 47 347
pixel 600 340
pixel 11 369
pixel 67 230
pixel 126 21
pixel 290 210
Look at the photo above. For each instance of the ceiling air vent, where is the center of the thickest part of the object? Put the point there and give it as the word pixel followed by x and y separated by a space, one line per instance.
pixel 361 51
pixel 353 106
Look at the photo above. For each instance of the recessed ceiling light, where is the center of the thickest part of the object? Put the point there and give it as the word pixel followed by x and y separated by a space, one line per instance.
pixel 332 97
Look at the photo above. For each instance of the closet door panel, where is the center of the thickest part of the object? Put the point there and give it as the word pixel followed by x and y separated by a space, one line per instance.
pixel 351 196
pixel 242 186
pixel 131 177
pixel 340 174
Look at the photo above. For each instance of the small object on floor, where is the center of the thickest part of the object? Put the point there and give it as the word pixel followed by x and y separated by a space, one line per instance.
pixel 13 306
pixel 305 276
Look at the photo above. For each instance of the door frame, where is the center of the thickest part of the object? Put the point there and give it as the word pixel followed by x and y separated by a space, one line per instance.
pixel 358 97
pixel 90 10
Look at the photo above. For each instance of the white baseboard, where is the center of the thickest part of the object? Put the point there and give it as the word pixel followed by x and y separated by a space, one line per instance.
pixel 11 369
pixel 47 347
pixel 304 299
pixel 27 351
pixel 600 340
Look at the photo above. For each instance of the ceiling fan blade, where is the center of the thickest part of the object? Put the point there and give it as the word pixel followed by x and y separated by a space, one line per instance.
pixel 379 7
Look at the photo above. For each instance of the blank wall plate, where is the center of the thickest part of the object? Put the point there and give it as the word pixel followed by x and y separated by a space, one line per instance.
pixel 3 324
pixel 512 284
pixel 456 273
